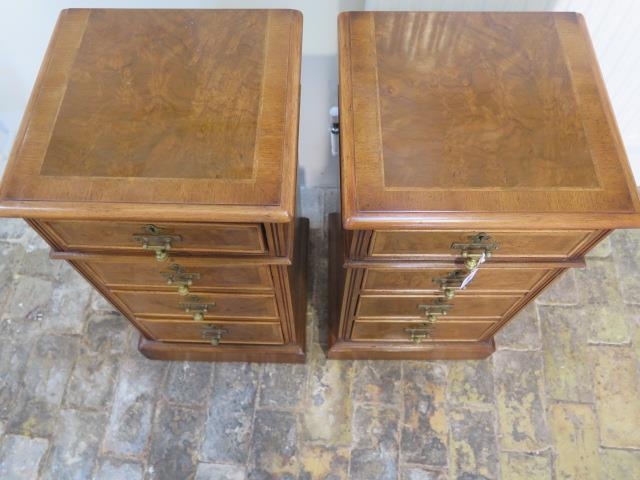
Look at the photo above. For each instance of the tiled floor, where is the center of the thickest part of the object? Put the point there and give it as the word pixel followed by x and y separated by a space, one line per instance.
pixel 560 398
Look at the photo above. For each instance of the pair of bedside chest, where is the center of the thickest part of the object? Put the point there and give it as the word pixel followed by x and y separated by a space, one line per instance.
pixel 479 160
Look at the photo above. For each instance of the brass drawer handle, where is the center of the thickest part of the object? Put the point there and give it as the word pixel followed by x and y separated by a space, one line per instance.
pixel 178 276
pixel 199 310
pixel 214 334
pixel 160 244
pixel 417 335
pixel 436 309
pixel 476 251
pixel 452 281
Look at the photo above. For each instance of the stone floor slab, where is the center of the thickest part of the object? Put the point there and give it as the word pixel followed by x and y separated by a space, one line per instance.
pixel 521 414
pixel 133 408
pixel 617 387
pixel 619 464
pixel 567 376
pixel 90 385
pixel 603 303
pixel 106 332
pixel 20 456
pixel 13 362
pixel 562 291
pixel 188 383
pixel 422 473
pixel 65 312
pixel 75 445
pixel 522 332
pixel 378 382
pixel 376 426
pixel 274 446
pixel 470 383
pixel 327 418
pixel 368 463
pixel 425 427
pixel 11 258
pixel 324 463
pixel 282 386
pixel 212 471
pixel 35 408
pixel 26 302
pixel 175 441
pixel 113 469
pixel 12 229
pixel 575 433
pixel 626 258
pixel 473 448
pixel 525 466
pixel 227 433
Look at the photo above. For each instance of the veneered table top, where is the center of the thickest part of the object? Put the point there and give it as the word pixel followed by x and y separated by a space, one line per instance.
pixel 477 118
pixel 189 113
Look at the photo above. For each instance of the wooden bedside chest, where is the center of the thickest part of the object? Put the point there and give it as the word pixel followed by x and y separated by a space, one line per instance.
pixel 480 158
pixel 158 155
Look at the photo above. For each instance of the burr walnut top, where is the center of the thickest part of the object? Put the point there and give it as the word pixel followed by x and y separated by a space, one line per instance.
pixel 477 118
pixel 160 110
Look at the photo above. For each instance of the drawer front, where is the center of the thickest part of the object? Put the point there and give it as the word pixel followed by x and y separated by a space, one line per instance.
pixel 210 305
pixel 402 331
pixel 433 243
pixel 182 237
pixel 431 279
pixel 378 306
pixel 171 275
pixel 220 332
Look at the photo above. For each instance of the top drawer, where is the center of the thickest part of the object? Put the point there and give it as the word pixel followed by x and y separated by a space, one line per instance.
pixel 179 237
pixel 443 243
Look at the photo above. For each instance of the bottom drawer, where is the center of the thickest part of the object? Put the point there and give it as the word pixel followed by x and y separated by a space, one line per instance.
pixel 373 306
pixel 206 332
pixel 400 331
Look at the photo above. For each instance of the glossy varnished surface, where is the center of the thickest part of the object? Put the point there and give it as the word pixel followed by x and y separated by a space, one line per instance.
pixel 446 117
pixel 157 95
pixel 487 102
pixel 154 107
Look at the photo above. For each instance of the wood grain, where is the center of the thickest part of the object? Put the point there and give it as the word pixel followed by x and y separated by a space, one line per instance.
pixel 442 331
pixel 387 280
pixel 452 124
pixel 151 110
pixel 464 304
pixel 243 333
pixel 454 119
pixel 174 130
pixel 152 106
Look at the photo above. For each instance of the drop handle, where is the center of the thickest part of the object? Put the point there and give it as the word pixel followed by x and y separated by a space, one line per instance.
pixel 177 275
pixel 214 334
pixel 476 251
pixel 198 310
pixel 159 244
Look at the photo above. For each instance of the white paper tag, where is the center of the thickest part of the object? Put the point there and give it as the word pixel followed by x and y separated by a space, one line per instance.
pixel 468 278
